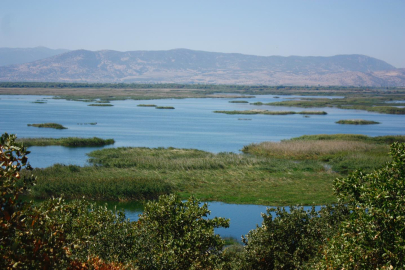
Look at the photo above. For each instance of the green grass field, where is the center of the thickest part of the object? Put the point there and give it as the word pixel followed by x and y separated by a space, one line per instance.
pixel 297 171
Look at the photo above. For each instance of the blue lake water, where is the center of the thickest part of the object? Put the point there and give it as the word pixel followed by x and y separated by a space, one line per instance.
pixel 192 124
pixel 243 218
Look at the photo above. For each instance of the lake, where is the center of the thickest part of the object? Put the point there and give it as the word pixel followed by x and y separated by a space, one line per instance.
pixel 243 218
pixel 192 124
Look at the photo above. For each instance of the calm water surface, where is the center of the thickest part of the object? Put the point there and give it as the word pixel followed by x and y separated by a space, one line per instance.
pixel 192 124
pixel 243 218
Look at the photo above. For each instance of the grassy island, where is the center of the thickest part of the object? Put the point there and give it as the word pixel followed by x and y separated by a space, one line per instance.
pixel 299 170
pixel 358 103
pixel 357 122
pixel 100 105
pixel 165 107
pixel 48 125
pixel 266 112
pixel 69 141
pixel 146 105
pixel 238 101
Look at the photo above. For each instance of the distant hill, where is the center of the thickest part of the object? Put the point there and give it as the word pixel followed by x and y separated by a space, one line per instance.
pixel 12 56
pixel 188 66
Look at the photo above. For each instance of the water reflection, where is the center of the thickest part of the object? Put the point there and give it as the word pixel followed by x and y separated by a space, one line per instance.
pixel 243 218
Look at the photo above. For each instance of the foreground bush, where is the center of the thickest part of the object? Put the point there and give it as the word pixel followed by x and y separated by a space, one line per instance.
pixel 177 235
pixel 374 235
pixel 293 239
pixel 55 234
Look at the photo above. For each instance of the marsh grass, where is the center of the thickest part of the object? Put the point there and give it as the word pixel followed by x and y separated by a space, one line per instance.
pixel 146 105
pixel 226 177
pixel 95 183
pixel 101 105
pixel 297 171
pixel 344 153
pixel 48 125
pixel 164 107
pixel 238 101
pixel 69 141
pixel 91 124
pixel 357 122
pixel 266 112
pixel 371 104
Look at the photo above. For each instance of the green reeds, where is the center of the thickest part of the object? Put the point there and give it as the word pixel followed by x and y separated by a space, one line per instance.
pixel 101 105
pixel 238 101
pixel 266 112
pixel 296 171
pixel 357 122
pixel 343 153
pixel 98 184
pixel 165 107
pixel 48 125
pixel 68 142
pixel 146 105
pixel 227 177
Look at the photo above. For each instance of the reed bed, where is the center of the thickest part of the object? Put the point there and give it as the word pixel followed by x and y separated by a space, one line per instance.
pixel 68 141
pixel 388 139
pixel 91 182
pixel 238 101
pixel 356 122
pixel 371 104
pixel 146 105
pixel 48 125
pixel 226 177
pixel 296 171
pixel 342 156
pixel 164 107
pixel 266 112
pixel 307 149
pixel 100 105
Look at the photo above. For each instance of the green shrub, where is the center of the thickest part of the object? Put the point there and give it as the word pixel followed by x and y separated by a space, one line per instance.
pixel 374 235
pixel 292 240
pixel 177 235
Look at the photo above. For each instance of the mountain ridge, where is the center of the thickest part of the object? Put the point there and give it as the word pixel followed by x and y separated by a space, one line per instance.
pixel 189 66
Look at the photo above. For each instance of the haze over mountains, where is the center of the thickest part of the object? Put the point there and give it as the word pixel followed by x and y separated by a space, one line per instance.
pixel 188 66
pixel 11 56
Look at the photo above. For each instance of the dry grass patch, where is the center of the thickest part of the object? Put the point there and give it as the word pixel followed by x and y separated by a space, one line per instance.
pixel 307 149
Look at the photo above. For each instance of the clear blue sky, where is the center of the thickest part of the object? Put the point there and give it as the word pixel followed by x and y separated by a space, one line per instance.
pixel 282 27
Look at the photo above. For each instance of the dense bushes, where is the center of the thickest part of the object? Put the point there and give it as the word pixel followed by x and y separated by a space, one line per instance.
pixel 365 231
pixel 55 234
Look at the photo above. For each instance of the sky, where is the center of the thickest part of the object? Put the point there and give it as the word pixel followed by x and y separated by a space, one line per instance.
pixel 374 28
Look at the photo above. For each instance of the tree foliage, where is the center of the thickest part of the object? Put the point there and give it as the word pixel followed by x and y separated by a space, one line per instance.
pixel 366 230
pixel 56 234
pixel 292 239
pixel 374 234
pixel 178 235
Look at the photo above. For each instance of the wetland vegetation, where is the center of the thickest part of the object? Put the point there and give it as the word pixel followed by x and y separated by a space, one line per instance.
pixel 165 107
pixel 266 112
pixel 101 105
pixel 365 230
pixel 357 122
pixel 68 142
pixel 238 101
pixel 48 125
pixel 146 105
pixel 299 170
pixel 367 103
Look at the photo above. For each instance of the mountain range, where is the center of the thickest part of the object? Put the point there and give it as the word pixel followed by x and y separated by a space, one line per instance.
pixel 189 66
